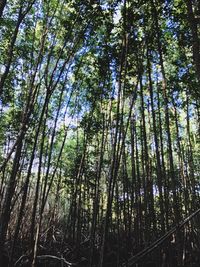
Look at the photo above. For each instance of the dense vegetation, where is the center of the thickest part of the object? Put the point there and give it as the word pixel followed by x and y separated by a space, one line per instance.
pixel 99 132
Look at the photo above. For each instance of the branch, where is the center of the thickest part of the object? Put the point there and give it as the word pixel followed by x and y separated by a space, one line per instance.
pixel 46 257
pixel 20 259
pixel 158 242
pixel 49 257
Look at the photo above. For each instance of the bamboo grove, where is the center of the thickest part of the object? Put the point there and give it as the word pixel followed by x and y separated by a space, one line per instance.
pixel 99 127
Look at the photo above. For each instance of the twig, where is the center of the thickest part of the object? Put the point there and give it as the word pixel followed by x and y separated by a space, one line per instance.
pixel 46 257
pixel 51 257
pixel 20 259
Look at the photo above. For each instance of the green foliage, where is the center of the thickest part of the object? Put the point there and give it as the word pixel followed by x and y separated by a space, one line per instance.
pixel 100 92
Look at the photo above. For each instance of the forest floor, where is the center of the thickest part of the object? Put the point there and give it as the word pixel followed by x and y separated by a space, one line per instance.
pixel 54 251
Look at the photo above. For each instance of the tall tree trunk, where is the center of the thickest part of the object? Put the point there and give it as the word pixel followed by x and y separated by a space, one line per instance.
pixel 167 119
pixel 158 158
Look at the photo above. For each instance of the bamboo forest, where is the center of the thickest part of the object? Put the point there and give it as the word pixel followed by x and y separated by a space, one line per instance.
pixel 100 133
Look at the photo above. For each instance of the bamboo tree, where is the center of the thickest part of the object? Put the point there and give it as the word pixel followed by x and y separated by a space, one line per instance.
pixel 167 119
pixel 158 161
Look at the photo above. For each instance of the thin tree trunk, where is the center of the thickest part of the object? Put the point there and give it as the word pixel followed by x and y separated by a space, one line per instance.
pixel 158 160
pixel 21 17
pixel 195 39
pixel 2 6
